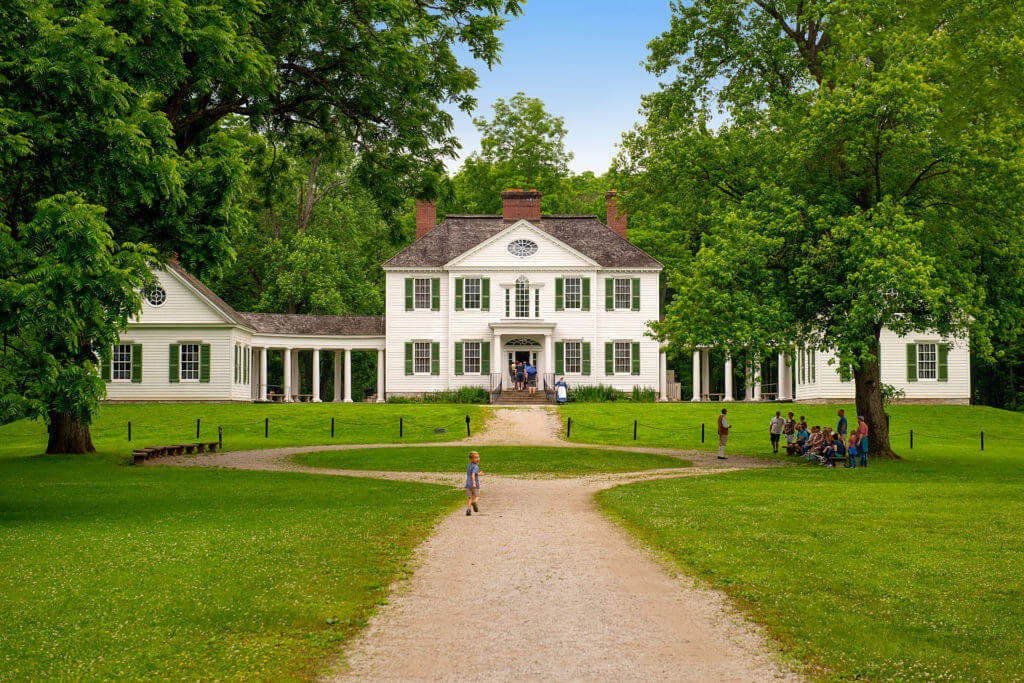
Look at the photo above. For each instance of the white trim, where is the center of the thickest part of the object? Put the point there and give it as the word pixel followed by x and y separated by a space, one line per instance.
pixel 521 223
pixel 188 285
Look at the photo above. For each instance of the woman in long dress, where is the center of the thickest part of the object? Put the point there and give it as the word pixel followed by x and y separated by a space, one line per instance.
pixel 561 391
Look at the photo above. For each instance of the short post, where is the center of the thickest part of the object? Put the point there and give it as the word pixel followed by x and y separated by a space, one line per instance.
pixel 634 430
pixel 983 441
pixel 197 428
pixel 220 438
pixel 702 432
pixel 568 428
pixel 911 438
pixel 400 427
pixel 332 427
pixel 467 425
pixel 129 430
pixel 266 427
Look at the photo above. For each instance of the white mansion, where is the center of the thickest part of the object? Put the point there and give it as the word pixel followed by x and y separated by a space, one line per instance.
pixel 469 297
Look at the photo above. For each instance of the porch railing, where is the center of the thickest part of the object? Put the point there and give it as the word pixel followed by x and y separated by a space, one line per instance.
pixel 549 385
pixel 497 379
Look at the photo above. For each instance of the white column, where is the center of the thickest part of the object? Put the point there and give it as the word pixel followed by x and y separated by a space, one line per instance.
pixel 380 375
pixel 337 376
pixel 757 378
pixel 316 375
pixel 286 380
pixel 749 375
pixel 781 385
pixel 497 362
pixel 296 372
pixel 696 375
pixel 663 374
pixel 705 371
pixel 263 373
pixel 728 377
pixel 348 376
pixel 549 355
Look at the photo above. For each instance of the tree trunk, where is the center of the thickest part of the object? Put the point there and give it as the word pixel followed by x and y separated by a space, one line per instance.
pixel 867 379
pixel 68 434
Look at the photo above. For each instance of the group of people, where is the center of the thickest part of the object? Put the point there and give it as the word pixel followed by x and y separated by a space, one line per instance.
pixel 523 376
pixel 824 445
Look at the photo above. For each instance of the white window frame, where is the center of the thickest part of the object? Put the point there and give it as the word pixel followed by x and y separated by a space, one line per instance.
pixel 522 303
pixel 572 293
pixel 568 358
pixel 923 349
pixel 627 293
pixel 417 284
pixel 476 357
pixel 189 348
pixel 417 357
pixel 628 358
pixel 117 364
pixel 467 292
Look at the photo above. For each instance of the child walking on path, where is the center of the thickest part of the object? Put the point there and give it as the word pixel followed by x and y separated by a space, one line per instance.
pixel 473 483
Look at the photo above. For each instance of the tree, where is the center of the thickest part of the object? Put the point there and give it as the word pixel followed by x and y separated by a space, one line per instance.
pixel 125 106
pixel 867 174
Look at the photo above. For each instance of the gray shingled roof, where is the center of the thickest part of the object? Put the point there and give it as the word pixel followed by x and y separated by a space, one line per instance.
pixel 299 323
pixel 460 233
pixel 285 323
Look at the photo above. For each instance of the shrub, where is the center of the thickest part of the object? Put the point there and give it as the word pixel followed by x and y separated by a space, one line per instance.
pixel 643 395
pixel 595 394
pixel 463 395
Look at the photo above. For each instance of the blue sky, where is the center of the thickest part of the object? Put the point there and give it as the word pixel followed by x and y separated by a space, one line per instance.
pixel 582 58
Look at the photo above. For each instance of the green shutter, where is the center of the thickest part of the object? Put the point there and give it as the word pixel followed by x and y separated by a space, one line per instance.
pixel 435 358
pixel 508 298
pixel 585 286
pixel 174 355
pixel 636 295
pixel 204 362
pixel 408 293
pixel 943 362
pixel 609 294
pixel 585 359
pixel 559 294
pixel 485 358
pixel 435 294
pixel 458 358
pixel 408 358
pixel 458 294
pixel 814 368
pixel 559 358
pixel 609 358
pixel 911 362
pixel 248 364
pixel 485 294
pixel 136 363
pixel 636 356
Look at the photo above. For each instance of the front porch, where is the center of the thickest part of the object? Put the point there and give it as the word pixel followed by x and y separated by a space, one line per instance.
pixel 768 378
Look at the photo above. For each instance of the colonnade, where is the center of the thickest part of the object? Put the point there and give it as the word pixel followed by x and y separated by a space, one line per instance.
pixel 754 384
pixel 292 373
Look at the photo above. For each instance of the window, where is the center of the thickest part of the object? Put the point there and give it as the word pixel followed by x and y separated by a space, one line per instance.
pixel 623 292
pixel 522 248
pixel 927 361
pixel 421 292
pixel 623 357
pixel 471 358
pixel 472 292
pixel 421 358
pixel 154 294
pixel 121 362
pixel 522 298
pixel 573 292
pixel 189 365
pixel 573 357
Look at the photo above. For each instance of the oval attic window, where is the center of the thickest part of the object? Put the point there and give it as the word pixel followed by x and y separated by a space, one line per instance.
pixel 522 248
pixel 155 294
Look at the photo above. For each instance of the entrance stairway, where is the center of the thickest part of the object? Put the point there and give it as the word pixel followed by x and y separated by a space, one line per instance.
pixel 521 398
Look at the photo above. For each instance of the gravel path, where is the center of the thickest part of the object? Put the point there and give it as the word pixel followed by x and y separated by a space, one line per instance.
pixel 540 585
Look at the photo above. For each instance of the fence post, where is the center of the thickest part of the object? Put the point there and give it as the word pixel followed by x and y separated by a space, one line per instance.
pixel 702 432
pixel 266 427
pixel 568 428
pixel 911 439
pixel 197 428
pixel 467 425
pixel 400 427
pixel 129 430
pixel 220 438
pixel 983 441
pixel 332 427
pixel 634 430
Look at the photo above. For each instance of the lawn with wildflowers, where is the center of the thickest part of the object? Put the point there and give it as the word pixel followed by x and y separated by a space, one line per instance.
pixel 113 572
pixel 906 570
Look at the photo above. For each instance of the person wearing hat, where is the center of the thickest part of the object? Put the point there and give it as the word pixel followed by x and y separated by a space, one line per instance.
pixel 723 434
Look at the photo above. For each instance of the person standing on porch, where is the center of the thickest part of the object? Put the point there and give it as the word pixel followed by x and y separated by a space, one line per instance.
pixel 723 434
pixel 531 378
pixel 775 428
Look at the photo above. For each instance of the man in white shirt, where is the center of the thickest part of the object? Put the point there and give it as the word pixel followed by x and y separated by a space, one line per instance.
pixel 723 434
pixel 775 428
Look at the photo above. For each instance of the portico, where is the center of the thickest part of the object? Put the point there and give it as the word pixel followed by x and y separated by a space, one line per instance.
pixel 531 336
pixel 340 349
pixel 756 389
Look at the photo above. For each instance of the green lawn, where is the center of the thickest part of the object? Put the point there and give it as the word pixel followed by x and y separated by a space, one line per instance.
pixel 905 570
pixel 493 460
pixel 307 424
pixel 110 572
pixel 678 425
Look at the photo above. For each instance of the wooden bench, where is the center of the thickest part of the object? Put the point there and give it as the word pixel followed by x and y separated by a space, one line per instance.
pixel 140 454
pixel 713 397
pixel 769 395
pixel 835 457
pixel 274 397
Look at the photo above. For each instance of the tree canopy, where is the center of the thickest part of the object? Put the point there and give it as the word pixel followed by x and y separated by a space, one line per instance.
pixel 835 168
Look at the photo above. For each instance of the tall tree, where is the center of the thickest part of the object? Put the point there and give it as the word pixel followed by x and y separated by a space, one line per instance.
pixel 123 106
pixel 866 174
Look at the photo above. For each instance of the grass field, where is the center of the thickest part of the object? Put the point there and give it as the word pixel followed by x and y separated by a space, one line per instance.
pixel 111 572
pixel 904 570
pixel 678 425
pixel 494 460
pixel 158 424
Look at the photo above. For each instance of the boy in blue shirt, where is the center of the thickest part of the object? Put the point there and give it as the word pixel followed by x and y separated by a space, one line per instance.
pixel 472 483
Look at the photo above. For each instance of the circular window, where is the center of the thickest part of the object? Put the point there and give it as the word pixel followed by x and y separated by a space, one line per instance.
pixel 522 248
pixel 155 294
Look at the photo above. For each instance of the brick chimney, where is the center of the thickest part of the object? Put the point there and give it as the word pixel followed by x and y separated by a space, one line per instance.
pixel 616 220
pixel 426 217
pixel 520 204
